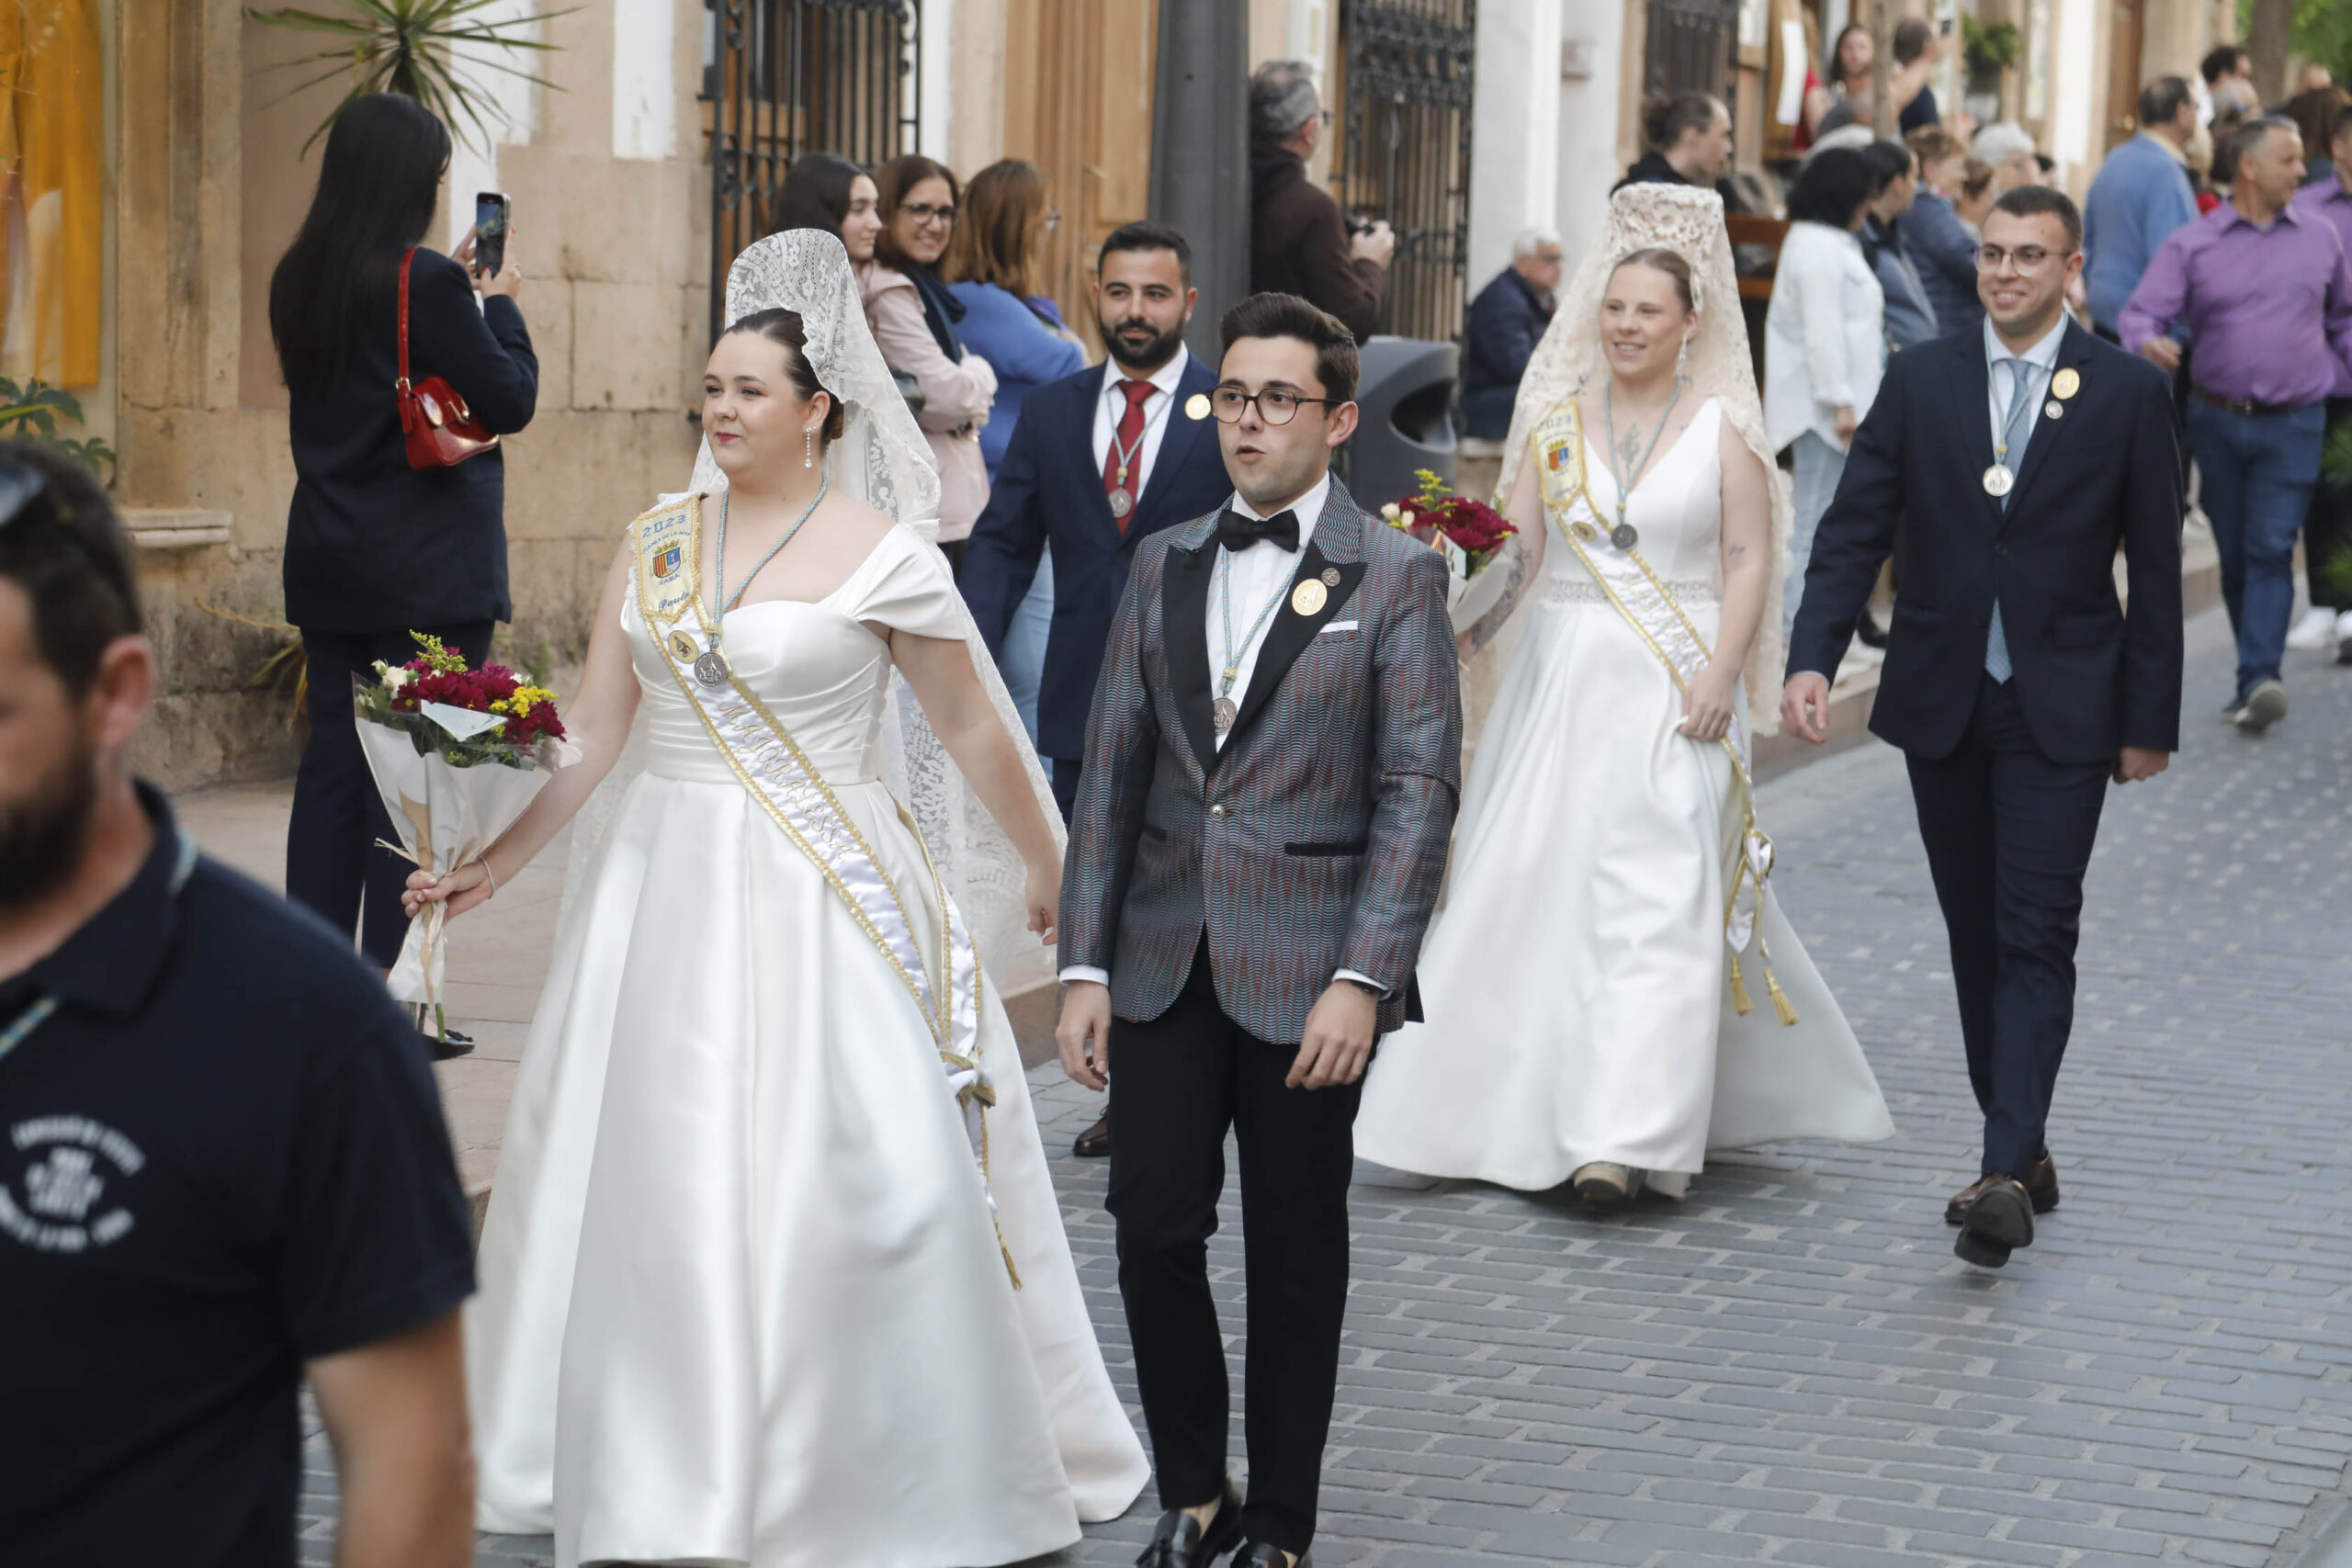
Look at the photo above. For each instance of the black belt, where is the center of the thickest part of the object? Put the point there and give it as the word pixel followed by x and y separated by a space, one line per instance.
pixel 2245 407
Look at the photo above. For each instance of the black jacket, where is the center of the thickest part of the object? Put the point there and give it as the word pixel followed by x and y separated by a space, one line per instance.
pixel 1652 169
pixel 1507 321
pixel 1299 244
pixel 2090 677
pixel 372 544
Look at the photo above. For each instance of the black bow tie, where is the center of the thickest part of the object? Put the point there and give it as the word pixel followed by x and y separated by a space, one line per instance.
pixel 1235 531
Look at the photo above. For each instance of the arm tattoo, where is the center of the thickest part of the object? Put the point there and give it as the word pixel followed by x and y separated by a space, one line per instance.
pixel 1736 550
pixel 1482 631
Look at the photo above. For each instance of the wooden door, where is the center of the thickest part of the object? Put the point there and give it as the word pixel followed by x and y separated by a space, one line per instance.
pixel 1077 105
pixel 2123 72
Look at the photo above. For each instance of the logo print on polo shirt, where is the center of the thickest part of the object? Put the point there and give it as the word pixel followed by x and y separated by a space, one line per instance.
pixel 72 1165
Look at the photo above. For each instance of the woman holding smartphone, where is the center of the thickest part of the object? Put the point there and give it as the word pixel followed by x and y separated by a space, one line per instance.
pixel 376 549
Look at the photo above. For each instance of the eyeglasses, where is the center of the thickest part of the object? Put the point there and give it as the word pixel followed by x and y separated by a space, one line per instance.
pixel 923 213
pixel 2025 258
pixel 1276 405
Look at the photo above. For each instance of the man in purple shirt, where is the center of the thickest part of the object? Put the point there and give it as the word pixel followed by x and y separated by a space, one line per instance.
pixel 2327 530
pixel 2265 294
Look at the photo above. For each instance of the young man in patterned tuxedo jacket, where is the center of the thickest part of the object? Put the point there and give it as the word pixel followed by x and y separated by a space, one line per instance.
pixel 1271 771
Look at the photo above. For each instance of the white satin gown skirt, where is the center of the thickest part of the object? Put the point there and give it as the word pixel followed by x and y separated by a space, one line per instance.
pixel 742 1299
pixel 1574 979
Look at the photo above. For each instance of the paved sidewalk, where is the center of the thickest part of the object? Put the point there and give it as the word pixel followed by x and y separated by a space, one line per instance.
pixel 1791 1367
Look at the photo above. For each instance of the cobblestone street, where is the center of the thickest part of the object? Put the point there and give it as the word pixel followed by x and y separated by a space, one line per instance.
pixel 1790 1366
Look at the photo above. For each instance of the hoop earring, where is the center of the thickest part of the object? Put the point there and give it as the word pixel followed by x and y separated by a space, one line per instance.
pixel 807 448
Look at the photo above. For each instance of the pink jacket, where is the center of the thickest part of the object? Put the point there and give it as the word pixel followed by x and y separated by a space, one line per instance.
pixel 956 395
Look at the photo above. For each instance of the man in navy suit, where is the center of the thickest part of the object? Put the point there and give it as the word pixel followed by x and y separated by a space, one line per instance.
pixel 2018 458
pixel 1099 461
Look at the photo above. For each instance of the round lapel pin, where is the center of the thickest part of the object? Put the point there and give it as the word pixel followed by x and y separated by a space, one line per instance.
pixel 1331 577
pixel 1198 406
pixel 1308 597
pixel 2066 383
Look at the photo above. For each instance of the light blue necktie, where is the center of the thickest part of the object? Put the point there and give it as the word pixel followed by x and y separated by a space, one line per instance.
pixel 1996 645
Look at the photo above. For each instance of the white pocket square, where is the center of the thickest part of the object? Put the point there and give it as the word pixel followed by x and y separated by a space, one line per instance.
pixel 1337 626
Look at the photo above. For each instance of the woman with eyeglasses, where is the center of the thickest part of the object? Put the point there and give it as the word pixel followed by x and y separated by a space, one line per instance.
pixel 376 549
pixel 917 321
pixel 991 270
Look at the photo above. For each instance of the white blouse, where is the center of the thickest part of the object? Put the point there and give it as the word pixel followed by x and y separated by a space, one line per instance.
pixel 1824 335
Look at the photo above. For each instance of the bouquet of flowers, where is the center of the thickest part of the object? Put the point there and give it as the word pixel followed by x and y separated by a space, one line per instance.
pixel 457 755
pixel 1469 533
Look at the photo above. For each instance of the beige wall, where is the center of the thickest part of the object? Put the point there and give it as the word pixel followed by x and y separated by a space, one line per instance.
pixel 210 189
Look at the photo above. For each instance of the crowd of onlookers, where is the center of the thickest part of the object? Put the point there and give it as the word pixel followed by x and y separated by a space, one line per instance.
pixel 2214 240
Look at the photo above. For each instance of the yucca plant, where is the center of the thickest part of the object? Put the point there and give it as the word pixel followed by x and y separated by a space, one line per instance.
pixel 410 46
pixel 30 412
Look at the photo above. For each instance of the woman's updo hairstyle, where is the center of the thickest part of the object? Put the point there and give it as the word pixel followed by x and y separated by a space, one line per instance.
pixel 781 326
pixel 1658 258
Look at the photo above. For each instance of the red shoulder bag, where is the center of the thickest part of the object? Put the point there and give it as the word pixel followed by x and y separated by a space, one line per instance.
pixel 441 431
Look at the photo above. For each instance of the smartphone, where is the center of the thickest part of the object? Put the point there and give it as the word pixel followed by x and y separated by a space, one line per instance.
pixel 491 214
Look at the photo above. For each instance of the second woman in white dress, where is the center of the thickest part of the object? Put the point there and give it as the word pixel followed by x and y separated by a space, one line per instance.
pixel 1611 987
pixel 750 1293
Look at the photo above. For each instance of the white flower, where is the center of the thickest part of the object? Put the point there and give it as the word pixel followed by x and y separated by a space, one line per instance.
pixel 1389 511
pixel 1406 521
pixel 393 676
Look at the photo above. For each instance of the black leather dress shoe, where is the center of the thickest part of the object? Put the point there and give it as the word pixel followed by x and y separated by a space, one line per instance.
pixel 1096 1142
pixel 1180 1542
pixel 1998 1222
pixel 1259 1554
pixel 2040 1182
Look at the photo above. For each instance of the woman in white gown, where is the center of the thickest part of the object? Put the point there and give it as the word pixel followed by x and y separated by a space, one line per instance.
pixel 744 1300
pixel 1611 987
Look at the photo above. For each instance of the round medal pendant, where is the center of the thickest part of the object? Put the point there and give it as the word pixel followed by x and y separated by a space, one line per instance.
pixel 712 669
pixel 1998 480
pixel 1122 503
pixel 1223 712
pixel 1625 536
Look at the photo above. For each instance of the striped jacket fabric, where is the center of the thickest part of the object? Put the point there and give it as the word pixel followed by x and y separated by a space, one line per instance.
pixel 1316 840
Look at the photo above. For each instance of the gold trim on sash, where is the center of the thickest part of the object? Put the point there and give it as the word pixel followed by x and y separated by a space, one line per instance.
pixel 1558 448
pixel 769 763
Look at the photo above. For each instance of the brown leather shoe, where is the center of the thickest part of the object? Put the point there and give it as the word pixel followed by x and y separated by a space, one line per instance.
pixel 1998 1222
pixel 1095 1143
pixel 2040 1182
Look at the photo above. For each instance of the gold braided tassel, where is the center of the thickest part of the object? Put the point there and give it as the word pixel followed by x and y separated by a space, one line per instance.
pixel 1009 1268
pixel 1739 989
pixel 1780 998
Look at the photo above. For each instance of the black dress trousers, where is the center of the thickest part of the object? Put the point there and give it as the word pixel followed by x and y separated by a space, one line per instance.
pixel 332 865
pixel 2008 834
pixel 1178 1083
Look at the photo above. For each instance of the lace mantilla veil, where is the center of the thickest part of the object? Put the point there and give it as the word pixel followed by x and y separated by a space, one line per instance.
pixel 1690 222
pixel 882 459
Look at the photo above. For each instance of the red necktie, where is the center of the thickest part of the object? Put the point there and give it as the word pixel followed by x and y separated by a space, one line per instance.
pixel 1127 442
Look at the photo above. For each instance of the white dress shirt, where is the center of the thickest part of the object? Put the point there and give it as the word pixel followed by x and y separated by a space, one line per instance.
pixel 1259 572
pixel 1111 407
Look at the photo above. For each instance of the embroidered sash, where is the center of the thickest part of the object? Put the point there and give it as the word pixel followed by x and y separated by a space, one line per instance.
pixel 1651 609
pixel 772 767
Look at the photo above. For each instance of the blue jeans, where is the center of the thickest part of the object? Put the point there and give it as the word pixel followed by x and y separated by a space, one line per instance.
pixel 1025 644
pixel 2258 474
pixel 1819 468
